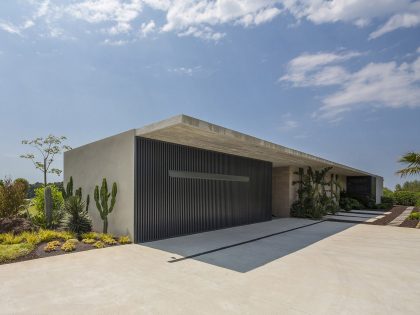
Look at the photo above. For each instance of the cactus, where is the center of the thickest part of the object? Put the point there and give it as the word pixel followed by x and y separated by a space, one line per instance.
pixel 48 205
pixel 68 192
pixel 87 203
pixel 78 193
pixel 101 200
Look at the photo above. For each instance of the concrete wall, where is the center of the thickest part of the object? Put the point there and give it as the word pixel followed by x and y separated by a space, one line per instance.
pixel 285 193
pixel 379 188
pixel 111 158
pixel 281 191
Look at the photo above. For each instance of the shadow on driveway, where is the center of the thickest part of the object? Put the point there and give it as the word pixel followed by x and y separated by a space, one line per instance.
pixel 245 248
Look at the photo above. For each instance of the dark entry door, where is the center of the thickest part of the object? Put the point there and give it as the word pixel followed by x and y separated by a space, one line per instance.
pixel 184 190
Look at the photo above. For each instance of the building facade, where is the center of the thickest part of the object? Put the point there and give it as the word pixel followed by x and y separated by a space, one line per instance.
pixel 183 176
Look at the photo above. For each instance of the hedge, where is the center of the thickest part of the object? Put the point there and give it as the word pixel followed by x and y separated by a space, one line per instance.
pixel 407 198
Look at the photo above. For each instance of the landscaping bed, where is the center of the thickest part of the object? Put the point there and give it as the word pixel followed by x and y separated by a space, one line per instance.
pixel 395 212
pixel 46 243
pixel 413 220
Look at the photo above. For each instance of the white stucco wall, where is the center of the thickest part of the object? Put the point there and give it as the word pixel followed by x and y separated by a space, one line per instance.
pixel 111 158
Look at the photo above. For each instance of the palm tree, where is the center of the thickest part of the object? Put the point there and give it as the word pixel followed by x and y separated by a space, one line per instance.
pixel 412 159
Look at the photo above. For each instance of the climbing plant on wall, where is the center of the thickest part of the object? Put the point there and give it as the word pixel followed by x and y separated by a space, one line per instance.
pixel 317 196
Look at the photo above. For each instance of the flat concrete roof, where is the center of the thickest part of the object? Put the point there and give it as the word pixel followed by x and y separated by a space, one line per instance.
pixel 197 133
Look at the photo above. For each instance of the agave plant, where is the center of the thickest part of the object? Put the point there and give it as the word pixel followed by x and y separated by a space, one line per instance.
pixel 76 219
pixel 412 159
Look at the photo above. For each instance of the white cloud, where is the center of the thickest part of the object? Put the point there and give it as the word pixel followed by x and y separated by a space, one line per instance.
pixel 199 17
pixel 10 28
pixel 206 33
pixel 375 85
pixel 187 71
pixel 401 13
pixel 110 42
pixel 121 13
pixel 317 69
pixel 287 123
pixel 203 18
pixel 397 21
pixel 147 28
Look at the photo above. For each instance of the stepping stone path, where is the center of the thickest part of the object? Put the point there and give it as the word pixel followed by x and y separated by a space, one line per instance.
pixel 401 218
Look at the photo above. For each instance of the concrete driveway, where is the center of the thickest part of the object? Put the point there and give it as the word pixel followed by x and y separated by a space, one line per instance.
pixel 322 268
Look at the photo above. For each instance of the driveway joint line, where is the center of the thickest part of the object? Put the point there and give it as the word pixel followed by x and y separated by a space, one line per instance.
pixel 243 243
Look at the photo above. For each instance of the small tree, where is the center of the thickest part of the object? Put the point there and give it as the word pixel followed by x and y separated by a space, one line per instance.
pixel 47 148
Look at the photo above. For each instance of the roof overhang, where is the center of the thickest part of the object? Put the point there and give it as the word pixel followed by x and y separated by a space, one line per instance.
pixel 193 132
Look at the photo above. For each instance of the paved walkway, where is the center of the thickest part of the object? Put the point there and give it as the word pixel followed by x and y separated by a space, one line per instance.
pixel 401 218
pixel 326 268
pixel 357 216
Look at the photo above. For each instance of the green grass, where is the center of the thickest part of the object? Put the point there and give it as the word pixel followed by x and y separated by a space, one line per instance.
pixel 14 251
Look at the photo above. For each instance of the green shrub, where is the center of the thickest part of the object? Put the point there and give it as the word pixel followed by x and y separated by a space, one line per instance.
pixel 51 246
pixel 99 244
pixel 347 204
pixel 388 200
pixel 49 235
pixel 383 206
pixel 76 218
pixel 10 238
pixel 91 235
pixel 14 251
pixel 109 241
pixel 68 246
pixel 124 240
pixel 406 198
pixel 12 197
pixel 103 236
pixel 414 216
pixel 35 238
pixel 57 213
pixel 388 192
pixel 25 185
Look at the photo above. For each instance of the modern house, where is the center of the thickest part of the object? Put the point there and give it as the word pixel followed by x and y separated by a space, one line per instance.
pixel 184 175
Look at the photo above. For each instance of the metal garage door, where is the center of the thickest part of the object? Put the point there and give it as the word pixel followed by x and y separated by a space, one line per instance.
pixel 183 190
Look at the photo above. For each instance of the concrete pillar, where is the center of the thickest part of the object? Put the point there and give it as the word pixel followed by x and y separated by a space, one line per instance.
pixel 281 193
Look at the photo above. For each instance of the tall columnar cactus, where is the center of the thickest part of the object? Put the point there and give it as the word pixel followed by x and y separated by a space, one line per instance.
pixel 68 192
pixel 78 193
pixel 48 205
pixel 101 199
pixel 87 203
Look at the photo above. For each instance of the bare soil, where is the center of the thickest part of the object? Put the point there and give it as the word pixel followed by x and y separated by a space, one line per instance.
pixel 411 223
pixel 395 212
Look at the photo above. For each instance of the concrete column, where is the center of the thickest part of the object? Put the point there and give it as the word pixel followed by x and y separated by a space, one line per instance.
pixel 281 202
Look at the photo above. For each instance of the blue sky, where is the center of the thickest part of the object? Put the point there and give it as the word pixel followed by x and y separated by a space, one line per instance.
pixel 339 79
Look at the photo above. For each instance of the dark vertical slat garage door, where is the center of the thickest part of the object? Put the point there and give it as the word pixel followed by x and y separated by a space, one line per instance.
pixel 184 190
